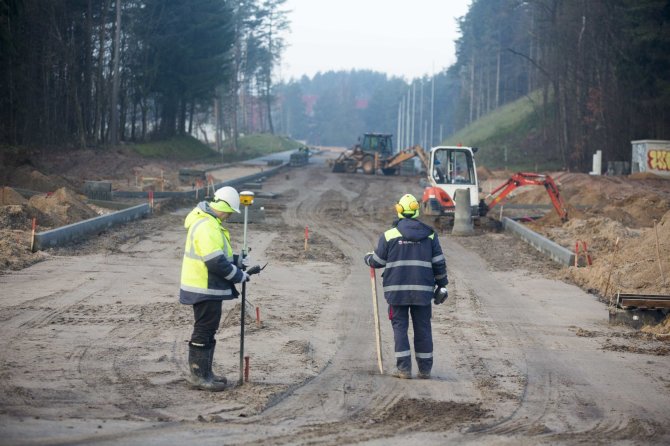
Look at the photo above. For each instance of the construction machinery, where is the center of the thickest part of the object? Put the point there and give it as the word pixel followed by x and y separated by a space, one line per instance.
pixel 521 179
pixel 300 157
pixel 375 152
pixel 454 167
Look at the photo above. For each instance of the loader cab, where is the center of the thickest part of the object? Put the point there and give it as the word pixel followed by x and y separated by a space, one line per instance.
pixel 377 142
pixel 452 168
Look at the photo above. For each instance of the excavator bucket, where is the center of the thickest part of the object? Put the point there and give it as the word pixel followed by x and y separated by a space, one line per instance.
pixel 338 167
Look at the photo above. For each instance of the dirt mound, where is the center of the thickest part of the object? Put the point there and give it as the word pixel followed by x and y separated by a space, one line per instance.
pixel 601 210
pixel 62 207
pixel 633 203
pixel 483 173
pixel 19 216
pixel 632 266
pixel 28 178
pixel 15 251
pixel 659 329
pixel 10 196
pixel 52 210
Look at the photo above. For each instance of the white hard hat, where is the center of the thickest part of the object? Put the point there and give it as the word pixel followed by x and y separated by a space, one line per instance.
pixel 229 196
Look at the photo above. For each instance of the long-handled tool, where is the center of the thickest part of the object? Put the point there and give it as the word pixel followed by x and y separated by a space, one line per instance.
pixel 246 199
pixel 375 307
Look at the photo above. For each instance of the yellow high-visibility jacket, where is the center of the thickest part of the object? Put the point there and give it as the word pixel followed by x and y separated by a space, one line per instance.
pixel 209 270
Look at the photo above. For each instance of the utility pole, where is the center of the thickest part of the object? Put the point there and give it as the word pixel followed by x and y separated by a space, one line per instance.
pixel 399 126
pixel 407 120
pixel 421 131
pixel 432 111
pixel 413 113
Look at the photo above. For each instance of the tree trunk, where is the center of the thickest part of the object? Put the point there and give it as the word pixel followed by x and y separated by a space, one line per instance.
pixel 191 112
pixel 114 113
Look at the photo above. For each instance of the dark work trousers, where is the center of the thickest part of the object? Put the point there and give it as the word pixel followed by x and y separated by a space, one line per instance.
pixel 207 316
pixel 423 336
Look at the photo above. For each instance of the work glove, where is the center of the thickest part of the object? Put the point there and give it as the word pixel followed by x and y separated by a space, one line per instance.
pixel 440 295
pixel 245 277
pixel 243 262
pixel 368 258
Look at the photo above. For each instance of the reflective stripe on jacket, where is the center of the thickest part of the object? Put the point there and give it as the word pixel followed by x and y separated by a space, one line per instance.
pixel 413 263
pixel 208 269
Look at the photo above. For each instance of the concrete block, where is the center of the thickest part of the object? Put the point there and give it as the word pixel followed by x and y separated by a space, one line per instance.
pixel 555 251
pixel 462 214
pixel 98 190
pixel 76 231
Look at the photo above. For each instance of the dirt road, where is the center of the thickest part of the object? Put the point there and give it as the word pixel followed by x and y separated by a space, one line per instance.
pixel 94 344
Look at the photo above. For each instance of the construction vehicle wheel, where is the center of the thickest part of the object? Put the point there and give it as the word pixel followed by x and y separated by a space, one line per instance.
pixel 350 166
pixel 368 165
pixel 390 171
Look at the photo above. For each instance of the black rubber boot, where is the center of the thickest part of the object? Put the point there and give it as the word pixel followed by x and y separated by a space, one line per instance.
pixel 199 363
pixel 215 377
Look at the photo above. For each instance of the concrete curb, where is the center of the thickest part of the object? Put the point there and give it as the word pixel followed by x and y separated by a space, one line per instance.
pixel 555 251
pixel 201 192
pixel 75 231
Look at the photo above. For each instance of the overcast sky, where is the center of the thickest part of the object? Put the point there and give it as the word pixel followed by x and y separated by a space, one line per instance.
pixel 397 37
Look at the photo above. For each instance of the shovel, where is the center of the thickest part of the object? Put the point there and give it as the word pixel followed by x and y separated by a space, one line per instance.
pixel 375 307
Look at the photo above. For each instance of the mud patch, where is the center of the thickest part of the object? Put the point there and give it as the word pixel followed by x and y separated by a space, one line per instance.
pixel 429 415
pixel 660 350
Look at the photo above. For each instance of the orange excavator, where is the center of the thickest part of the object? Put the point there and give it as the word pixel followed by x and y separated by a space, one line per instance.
pixel 521 179
pixel 454 167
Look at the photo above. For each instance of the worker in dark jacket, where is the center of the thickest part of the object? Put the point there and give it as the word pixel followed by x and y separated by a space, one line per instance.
pixel 415 272
pixel 209 273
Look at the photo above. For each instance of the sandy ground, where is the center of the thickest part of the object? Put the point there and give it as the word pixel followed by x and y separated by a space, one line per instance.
pixel 94 341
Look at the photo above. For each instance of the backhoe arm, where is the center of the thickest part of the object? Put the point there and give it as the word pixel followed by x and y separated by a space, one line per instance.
pixel 406 154
pixel 530 179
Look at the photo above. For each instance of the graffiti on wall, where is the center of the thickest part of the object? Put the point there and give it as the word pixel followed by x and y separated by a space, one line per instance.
pixel 658 159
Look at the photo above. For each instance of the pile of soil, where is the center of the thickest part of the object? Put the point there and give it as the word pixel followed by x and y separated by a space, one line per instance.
pixel 661 331
pixel 123 168
pixel 50 210
pixel 603 210
pixel 63 207
pixel 57 176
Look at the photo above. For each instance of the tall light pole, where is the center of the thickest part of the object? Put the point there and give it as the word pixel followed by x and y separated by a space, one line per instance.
pixel 432 110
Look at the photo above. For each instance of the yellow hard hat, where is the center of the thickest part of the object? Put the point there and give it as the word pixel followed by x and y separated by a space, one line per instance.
pixel 407 206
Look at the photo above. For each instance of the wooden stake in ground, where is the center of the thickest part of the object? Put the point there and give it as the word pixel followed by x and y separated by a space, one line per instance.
pixel 616 245
pixel 658 254
pixel 375 307
pixel 306 238
pixel 32 239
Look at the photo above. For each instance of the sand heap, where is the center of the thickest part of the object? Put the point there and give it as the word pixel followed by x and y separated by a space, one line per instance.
pixel 28 178
pixel 632 266
pixel 602 210
pixel 50 210
pixel 62 207
pixel 9 196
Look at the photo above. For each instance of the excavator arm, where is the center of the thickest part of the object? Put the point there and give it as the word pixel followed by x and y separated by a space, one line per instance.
pixel 530 179
pixel 406 154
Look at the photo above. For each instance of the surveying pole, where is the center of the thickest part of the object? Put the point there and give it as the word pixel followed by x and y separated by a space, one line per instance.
pixel 246 199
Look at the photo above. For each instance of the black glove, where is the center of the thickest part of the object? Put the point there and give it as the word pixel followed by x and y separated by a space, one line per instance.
pixel 440 295
pixel 368 258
